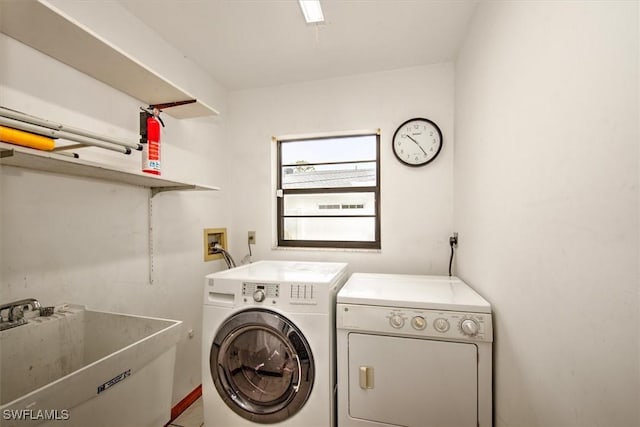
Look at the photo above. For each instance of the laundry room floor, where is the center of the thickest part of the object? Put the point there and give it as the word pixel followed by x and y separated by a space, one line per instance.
pixel 192 417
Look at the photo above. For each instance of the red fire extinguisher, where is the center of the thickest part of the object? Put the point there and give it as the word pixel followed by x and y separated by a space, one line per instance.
pixel 150 122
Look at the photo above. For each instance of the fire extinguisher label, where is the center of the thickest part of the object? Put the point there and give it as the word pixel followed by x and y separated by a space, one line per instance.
pixel 150 159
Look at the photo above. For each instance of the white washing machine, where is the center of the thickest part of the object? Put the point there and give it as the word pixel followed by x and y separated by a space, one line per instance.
pixel 413 351
pixel 269 344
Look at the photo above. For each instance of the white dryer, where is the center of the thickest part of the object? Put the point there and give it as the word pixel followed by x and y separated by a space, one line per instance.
pixel 268 353
pixel 413 351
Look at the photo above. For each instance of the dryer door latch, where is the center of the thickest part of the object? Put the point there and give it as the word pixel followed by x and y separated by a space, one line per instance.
pixel 366 377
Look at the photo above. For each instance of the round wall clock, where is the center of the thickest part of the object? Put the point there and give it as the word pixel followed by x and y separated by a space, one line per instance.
pixel 417 142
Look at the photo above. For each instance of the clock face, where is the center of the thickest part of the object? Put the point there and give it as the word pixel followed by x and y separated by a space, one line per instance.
pixel 417 142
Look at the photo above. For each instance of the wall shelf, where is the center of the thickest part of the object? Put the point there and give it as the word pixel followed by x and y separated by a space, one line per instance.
pixel 13 155
pixel 51 32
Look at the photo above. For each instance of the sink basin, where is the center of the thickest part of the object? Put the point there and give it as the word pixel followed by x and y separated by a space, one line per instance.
pixel 88 367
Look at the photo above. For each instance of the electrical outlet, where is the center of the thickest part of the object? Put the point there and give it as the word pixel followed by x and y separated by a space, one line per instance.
pixel 453 240
pixel 252 237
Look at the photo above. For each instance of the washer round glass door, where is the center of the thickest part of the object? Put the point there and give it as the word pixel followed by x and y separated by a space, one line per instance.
pixel 262 366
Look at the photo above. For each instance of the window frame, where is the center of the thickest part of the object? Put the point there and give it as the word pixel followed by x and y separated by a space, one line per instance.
pixel 281 192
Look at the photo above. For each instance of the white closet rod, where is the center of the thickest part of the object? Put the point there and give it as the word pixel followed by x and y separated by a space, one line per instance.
pixel 65 130
pixel 49 133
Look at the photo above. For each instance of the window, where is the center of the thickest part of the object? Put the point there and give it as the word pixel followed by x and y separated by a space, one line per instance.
pixel 329 192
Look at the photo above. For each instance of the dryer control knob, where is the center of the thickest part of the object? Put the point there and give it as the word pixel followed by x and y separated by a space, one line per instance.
pixel 419 323
pixel 259 295
pixel 441 324
pixel 396 321
pixel 469 327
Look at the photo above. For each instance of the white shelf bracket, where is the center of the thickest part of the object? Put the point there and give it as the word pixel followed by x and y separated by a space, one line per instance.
pixel 150 223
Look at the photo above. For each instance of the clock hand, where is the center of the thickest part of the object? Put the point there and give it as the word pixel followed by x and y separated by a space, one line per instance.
pixel 419 146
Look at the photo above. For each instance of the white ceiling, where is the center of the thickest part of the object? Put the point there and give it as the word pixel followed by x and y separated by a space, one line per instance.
pixel 256 43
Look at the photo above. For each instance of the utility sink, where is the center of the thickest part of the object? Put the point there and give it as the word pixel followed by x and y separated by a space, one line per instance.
pixel 88 367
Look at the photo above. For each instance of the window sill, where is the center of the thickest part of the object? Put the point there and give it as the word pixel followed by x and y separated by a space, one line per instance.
pixel 304 249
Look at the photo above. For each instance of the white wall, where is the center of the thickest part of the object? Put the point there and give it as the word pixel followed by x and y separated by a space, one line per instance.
pixel 67 239
pixel 416 203
pixel 546 204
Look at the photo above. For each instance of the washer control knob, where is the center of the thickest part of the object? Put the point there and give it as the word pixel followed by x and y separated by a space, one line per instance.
pixel 259 295
pixel 396 321
pixel 469 327
pixel 418 323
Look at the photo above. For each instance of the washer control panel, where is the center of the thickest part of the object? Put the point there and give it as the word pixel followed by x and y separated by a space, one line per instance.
pixel 276 293
pixel 414 322
pixel 258 292
pixel 304 294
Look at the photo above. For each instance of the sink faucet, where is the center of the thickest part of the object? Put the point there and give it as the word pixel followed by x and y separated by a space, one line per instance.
pixel 16 309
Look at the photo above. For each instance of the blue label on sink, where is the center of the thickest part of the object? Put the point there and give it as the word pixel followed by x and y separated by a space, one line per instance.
pixel 113 381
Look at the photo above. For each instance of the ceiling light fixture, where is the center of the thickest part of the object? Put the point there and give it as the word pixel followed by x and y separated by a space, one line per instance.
pixel 312 11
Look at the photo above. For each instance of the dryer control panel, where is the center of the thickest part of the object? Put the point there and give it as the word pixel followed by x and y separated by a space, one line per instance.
pixel 414 322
